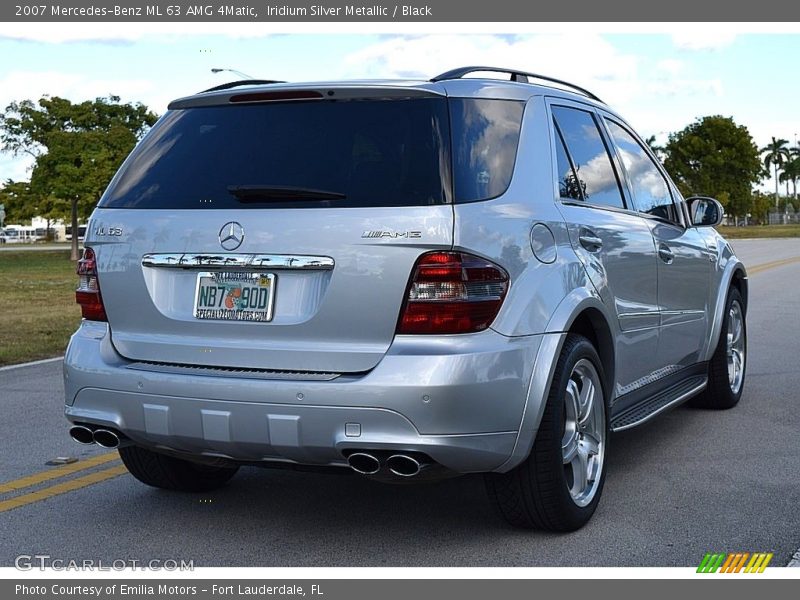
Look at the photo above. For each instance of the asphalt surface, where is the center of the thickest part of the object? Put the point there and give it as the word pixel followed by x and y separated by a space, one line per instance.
pixel 691 482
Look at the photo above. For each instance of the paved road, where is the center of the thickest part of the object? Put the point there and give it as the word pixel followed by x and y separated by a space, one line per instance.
pixel 691 482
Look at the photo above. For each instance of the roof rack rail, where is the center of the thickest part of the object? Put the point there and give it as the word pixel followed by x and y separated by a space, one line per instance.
pixel 517 76
pixel 233 84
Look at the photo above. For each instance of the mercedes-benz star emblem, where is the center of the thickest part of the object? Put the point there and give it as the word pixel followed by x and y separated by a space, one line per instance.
pixel 231 235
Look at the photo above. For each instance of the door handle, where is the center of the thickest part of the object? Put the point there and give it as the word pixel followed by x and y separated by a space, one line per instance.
pixel 590 241
pixel 665 253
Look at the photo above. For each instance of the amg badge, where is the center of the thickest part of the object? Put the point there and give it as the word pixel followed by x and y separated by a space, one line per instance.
pixel 392 234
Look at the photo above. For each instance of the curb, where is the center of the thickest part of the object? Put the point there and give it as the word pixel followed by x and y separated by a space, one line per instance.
pixel 44 361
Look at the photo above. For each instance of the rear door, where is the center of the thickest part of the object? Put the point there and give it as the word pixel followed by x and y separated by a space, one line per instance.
pixel 613 242
pixel 684 267
pixel 275 235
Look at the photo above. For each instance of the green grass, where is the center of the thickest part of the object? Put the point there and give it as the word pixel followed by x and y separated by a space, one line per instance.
pixel 37 304
pixel 761 231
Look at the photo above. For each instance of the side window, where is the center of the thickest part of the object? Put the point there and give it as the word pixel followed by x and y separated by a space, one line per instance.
pixel 650 191
pixel 594 173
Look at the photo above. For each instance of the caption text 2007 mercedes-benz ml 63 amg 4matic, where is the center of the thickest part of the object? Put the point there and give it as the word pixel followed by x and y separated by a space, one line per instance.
pixel 408 279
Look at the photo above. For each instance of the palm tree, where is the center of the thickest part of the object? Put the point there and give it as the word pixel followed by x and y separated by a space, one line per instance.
pixel 791 172
pixel 654 148
pixel 776 155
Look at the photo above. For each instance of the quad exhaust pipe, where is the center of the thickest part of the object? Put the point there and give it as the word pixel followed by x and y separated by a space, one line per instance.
pixel 403 465
pixel 106 438
pixel 81 434
pixel 364 463
pixel 400 465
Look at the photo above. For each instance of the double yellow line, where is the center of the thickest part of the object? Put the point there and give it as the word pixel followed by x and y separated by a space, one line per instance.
pixel 64 487
pixel 772 265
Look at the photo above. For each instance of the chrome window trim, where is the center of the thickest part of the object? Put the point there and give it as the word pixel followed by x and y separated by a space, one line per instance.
pixel 238 261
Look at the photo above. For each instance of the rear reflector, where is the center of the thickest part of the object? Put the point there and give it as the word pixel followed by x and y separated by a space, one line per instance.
pixel 452 292
pixel 88 293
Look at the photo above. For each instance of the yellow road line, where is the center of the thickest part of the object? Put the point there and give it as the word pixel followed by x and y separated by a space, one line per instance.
pixel 37 478
pixel 62 488
pixel 772 265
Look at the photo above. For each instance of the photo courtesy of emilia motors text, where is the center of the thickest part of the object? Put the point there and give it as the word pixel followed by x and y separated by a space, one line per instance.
pixel 332 300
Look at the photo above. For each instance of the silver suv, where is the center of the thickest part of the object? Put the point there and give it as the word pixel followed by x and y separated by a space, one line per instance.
pixel 406 279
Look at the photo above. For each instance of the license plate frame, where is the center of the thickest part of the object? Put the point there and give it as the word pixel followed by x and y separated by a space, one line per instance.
pixel 228 280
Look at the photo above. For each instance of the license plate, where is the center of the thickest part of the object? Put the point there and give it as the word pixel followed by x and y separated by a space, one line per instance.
pixel 234 296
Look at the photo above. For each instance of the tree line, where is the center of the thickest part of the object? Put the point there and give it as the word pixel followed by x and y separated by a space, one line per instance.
pixel 77 147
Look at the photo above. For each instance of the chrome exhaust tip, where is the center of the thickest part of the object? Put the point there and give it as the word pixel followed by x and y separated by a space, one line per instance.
pixel 403 465
pixel 106 438
pixel 81 434
pixel 364 463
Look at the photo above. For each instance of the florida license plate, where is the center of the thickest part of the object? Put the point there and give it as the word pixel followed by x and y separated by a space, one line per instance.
pixel 234 296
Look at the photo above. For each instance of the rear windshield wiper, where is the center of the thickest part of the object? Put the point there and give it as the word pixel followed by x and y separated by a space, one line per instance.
pixel 276 193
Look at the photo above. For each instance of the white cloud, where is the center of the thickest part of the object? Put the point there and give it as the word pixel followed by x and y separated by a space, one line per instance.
pixel 586 59
pixel 703 37
pixel 16 169
pixel 77 87
pixel 56 33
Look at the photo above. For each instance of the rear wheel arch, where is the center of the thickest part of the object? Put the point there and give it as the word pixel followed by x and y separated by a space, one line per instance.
pixel 592 324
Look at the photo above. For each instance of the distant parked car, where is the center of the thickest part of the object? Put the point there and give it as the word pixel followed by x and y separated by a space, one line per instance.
pixel 409 279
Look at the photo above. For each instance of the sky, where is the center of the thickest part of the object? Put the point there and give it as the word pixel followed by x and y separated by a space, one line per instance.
pixel 660 82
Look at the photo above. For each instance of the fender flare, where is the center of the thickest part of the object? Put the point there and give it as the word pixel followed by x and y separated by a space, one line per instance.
pixel 575 303
pixel 733 268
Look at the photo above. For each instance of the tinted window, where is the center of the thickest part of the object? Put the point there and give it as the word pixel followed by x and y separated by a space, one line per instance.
pixel 595 174
pixel 568 187
pixel 485 139
pixel 650 191
pixel 375 153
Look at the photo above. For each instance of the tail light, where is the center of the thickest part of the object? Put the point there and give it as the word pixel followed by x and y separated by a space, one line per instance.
pixel 452 292
pixel 88 292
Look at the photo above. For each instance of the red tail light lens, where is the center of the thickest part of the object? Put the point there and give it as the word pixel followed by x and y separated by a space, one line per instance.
pixel 452 292
pixel 88 292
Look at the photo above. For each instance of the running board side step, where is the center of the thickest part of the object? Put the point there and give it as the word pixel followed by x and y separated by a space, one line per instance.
pixel 655 405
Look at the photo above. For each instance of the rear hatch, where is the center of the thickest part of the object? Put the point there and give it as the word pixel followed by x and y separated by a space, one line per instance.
pixel 314 209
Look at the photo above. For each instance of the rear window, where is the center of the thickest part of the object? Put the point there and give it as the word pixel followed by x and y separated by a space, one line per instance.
pixel 363 153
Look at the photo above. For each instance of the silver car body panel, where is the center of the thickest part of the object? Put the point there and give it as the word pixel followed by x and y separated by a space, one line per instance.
pixel 462 405
pixel 322 322
pixel 330 358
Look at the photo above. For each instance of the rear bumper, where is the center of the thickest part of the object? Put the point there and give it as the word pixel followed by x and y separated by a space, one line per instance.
pixel 458 399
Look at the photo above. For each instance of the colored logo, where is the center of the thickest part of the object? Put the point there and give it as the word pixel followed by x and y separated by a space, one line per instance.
pixel 735 562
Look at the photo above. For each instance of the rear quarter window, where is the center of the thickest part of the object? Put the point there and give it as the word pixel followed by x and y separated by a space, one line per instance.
pixel 485 136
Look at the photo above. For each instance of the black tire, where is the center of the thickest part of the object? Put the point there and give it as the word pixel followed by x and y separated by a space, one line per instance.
pixel 718 393
pixel 170 473
pixel 535 495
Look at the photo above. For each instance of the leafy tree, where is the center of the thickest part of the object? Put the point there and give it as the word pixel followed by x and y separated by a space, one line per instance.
pixel 760 207
pixel 776 154
pixel 714 156
pixel 77 149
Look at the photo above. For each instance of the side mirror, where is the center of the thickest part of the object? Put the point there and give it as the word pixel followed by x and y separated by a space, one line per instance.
pixel 705 212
